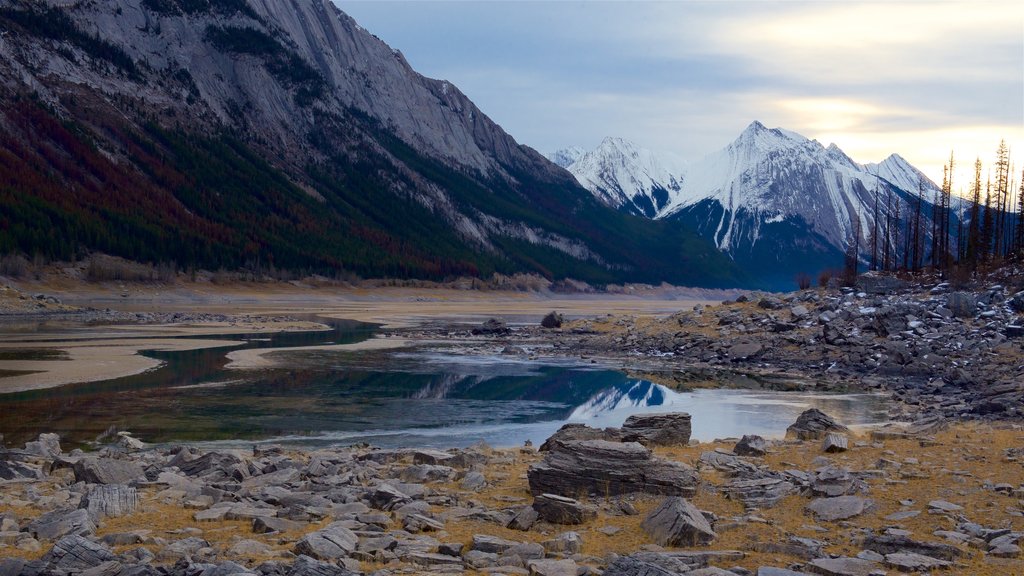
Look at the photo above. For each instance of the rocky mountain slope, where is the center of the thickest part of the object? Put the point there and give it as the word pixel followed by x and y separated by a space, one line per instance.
pixel 776 202
pixel 258 133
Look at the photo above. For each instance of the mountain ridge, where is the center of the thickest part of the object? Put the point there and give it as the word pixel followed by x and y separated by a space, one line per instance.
pixel 775 201
pixel 239 132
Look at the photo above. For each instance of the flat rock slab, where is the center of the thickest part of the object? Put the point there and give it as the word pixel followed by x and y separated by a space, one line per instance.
pixel 668 429
pixel 605 469
pixel 331 543
pixel 107 471
pixel 839 508
pixel 60 523
pixel 844 567
pixel 75 554
pixel 552 567
pixel 677 522
pixel 910 562
pixel 562 510
pixel 111 500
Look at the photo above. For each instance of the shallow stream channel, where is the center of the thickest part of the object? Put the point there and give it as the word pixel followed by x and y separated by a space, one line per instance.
pixel 388 398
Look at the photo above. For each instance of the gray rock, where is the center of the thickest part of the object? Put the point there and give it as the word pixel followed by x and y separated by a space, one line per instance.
pixel 331 543
pixel 835 442
pixel 890 544
pixel 74 553
pixel 184 548
pixel 551 320
pixel 745 351
pixel 839 508
pixel 943 506
pixel 524 519
pixel 473 481
pixel 813 424
pixel 306 566
pixel 562 510
pixel 552 567
pixel 962 304
pixel 387 497
pixel 771 571
pixel 45 446
pixel 607 468
pixel 491 327
pixel 751 445
pixel 107 471
pixel 268 524
pixel 911 562
pixel 677 522
pixel 843 567
pixel 59 523
pixel 491 544
pixel 110 500
pixel 427 473
pixel 670 429
pixel 575 431
pixel 565 544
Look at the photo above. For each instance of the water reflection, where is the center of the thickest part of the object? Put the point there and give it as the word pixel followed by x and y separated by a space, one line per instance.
pixel 390 399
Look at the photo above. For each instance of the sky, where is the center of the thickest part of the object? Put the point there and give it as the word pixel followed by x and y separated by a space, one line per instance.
pixel 918 78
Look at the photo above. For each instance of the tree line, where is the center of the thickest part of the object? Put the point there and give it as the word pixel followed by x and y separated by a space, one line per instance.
pixel 982 227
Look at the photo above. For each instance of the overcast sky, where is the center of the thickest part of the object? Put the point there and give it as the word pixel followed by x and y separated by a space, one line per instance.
pixel 918 78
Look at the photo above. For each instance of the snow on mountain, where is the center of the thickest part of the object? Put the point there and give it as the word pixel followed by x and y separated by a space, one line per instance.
pixel 567 156
pixel 775 201
pixel 628 177
pixel 901 173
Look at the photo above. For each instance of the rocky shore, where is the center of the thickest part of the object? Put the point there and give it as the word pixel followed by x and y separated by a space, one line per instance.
pixel 642 500
pixel 939 350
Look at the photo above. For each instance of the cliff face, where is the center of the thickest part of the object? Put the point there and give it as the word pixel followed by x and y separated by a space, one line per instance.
pixel 294 100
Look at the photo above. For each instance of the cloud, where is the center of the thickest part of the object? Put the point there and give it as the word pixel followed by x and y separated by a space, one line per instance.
pixel 914 77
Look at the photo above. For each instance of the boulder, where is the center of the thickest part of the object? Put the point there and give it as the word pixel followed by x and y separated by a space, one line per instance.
pixel 751 445
pixel 45 446
pixel 574 431
pixel 75 553
pixel 835 442
pixel 677 522
pixel 561 510
pixel 107 471
pixel 605 468
pixel 491 327
pixel 911 562
pixel 962 304
pixel 813 424
pixel 331 543
pixel 669 429
pixel 551 320
pixel 60 523
pixel 110 500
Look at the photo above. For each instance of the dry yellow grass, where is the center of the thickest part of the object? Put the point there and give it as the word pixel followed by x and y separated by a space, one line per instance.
pixel 958 466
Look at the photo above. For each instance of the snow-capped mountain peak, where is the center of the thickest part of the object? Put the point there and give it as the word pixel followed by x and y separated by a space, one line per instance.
pixel 777 201
pixel 567 156
pixel 896 170
pixel 629 177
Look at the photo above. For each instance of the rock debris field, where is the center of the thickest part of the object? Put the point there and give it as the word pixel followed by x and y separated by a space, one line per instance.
pixel 642 500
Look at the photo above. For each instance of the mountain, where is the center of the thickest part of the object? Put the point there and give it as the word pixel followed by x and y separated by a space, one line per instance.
pixel 625 176
pixel 776 202
pixel 257 133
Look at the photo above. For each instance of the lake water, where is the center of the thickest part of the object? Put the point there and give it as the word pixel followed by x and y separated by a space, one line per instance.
pixel 404 398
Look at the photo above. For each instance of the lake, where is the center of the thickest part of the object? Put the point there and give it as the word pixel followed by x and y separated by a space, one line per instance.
pixel 389 398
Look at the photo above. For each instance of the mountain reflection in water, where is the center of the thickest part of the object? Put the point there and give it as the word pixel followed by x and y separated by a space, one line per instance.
pixel 391 399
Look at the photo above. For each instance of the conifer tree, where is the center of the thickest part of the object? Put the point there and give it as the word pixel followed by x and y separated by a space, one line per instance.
pixel 974 228
pixel 1001 198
